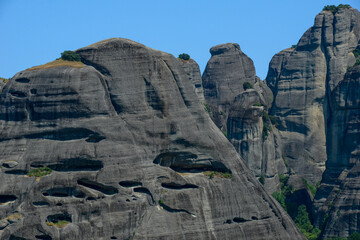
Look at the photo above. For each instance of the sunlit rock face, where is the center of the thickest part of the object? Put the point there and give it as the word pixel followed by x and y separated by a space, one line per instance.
pixel 316 99
pixel 133 155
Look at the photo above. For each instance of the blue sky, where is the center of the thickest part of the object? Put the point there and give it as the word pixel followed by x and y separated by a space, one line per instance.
pixel 37 31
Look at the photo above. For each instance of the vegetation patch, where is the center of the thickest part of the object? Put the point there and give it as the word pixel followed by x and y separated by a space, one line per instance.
pixel 13 218
pixel 312 188
pixel 213 174
pixel 207 108
pixel 39 172
pixel 257 104
pixel 303 222
pixel 335 9
pixel 247 85
pixel 266 126
pixel 225 133
pixel 293 46
pixel 70 56
pixel 285 161
pixel 58 224
pixel 184 56
pixel 58 63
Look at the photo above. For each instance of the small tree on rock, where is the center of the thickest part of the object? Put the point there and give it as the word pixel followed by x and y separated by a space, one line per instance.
pixel 70 56
pixel 184 56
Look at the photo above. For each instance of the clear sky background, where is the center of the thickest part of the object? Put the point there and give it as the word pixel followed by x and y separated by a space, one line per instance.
pixel 33 32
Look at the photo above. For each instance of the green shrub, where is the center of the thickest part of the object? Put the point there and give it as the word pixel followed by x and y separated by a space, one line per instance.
pixel 58 224
pixel 184 56
pixel 70 56
pixel 280 198
pixel 335 9
pixel 225 133
pixel 357 62
pixel 311 187
pixel 302 220
pixel 39 172
pixel 161 202
pixel 212 174
pixel 257 104
pixel 356 53
pixel 354 236
pixel 247 85
pixel 293 46
pixel 285 161
pixel 207 108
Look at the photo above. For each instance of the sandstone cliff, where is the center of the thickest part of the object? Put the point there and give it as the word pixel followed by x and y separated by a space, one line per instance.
pixel 133 155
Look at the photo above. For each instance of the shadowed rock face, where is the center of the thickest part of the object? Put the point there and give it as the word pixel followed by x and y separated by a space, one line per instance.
pixel 129 140
pixel 241 112
pixel 338 196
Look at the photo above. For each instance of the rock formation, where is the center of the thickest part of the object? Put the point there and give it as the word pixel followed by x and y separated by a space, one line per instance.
pixel 316 99
pixel 238 103
pixel 125 151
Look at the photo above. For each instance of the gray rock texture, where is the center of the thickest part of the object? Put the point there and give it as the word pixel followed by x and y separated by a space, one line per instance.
pixel 193 71
pixel 241 112
pixel 302 80
pixel 316 102
pixel 337 200
pixel 131 147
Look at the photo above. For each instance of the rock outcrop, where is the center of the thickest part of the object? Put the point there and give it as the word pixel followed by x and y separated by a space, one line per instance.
pixel 125 151
pixel 238 102
pixel 302 79
pixel 316 100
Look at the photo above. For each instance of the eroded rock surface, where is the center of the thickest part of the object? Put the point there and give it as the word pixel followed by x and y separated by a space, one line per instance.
pixel 316 103
pixel 238 101
pixel 128 141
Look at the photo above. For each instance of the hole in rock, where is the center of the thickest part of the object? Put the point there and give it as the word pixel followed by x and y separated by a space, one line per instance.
pixel 22 80
pixel 59 204
pixel 10 164
pixel 7 198
pixel 113 238
pixel 43 237
pixel 18 94
pixel 129 184
pixel 145 191
pixel 91 199
pixel 16 172
pixel 177 186
pixel 64 192
pixel 58 218
pixel 33 91
pixel 40 203
pixel 239 220
pixel 74 164
pixel 173 210
pixel 108 190
pixel 13 237
pixel 189 162
pixel 66 134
